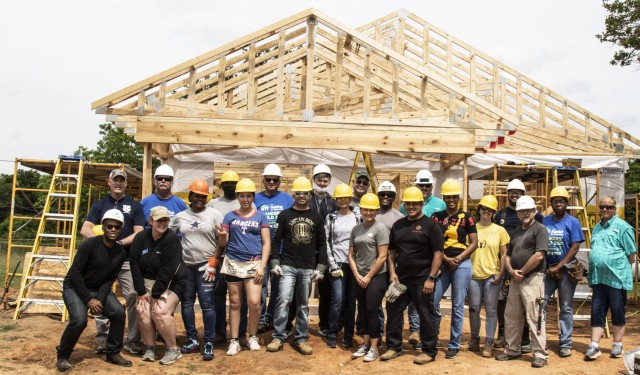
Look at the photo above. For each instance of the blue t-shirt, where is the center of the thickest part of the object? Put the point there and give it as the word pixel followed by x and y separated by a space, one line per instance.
pixel 430 207
pixel 132 211
pixel 174 204
pixel 245 241
pixel 272 205
pixel 561 235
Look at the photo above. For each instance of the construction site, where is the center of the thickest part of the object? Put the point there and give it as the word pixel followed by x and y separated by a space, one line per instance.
pixel 391 97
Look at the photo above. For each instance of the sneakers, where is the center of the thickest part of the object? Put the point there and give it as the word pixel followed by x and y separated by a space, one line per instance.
pixel 526 348
pixel 565 352
pixel 616 351
pixel 134 348
pixel 371 355
pixel 102 347
pixel 538 362
pixel 304 348
pixel 63 364
pixel 234 347
pixel 592 353
pixel 118 360
pixel 192 346
pixel 391 354
pixel 474 344
pixel 275 345
pixel 347 343
pixel 207 355
pixel 451 353
pixel 254 343
pixel 170 356
pixel 488 348
pixel 423 359
pixel 331 342
pixel 149 354
pixel 414 338
pixel 361 352
pixel 499 343
pixel 507 357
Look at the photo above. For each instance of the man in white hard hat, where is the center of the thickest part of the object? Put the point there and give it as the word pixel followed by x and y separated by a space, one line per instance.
pixel 525 262
pixel 163 196
pixel 323 203
pixel 387 214
pixel 426 183
pixel 133 223
pixel 271 201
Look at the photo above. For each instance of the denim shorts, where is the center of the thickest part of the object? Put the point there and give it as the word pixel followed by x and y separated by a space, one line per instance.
pixel 606 298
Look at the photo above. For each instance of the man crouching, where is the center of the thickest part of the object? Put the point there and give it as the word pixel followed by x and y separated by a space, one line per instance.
pixel 88 286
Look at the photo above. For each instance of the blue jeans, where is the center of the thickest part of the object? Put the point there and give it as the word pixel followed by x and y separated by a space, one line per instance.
pixel 343 303
pixel 298 281
pixel 205 290
pixel 566 289
pixel 267 309
pixel 459 280
pixel 220 303
pixel 414 318
pixel 77 309
pixel 483 291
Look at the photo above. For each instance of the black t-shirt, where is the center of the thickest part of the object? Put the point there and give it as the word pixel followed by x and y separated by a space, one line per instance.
pixel 94 268
pixel 455 229
pixel 131 210
pixel 508 218
pixel 302 235
pixel 525 242
pixel 415 242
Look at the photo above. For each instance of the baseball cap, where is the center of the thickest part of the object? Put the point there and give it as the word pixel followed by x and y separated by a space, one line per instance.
pixel 117 172
pixel 362 174
pixel 159 212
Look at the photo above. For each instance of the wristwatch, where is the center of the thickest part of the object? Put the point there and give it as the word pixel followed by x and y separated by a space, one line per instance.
pixel 432 277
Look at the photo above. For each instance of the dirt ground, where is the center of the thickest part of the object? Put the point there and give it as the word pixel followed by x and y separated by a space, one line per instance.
pixel 27 346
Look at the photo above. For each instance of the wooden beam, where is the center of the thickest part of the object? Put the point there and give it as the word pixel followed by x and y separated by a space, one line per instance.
pixel 147 173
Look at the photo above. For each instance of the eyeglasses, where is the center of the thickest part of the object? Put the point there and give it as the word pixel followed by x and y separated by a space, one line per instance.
pixel 302 193
pixel 603 207
pixel 362 182
pixel 424 185
pixel 112 227
pixel 164 179
pixel 386 195
pixel 272 180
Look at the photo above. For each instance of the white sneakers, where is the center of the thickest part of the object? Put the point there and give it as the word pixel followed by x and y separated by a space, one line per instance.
pixel 234 347
pixel 254 343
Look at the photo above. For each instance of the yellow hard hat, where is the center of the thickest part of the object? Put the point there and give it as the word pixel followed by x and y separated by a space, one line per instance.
pixel 97 230
pixel 370 201
pixel 343 191
pixel 489 201
pixel 559 191
pixel 301 184
pixel 199 186
pixel 450 187
pixel 245 186
pixel 412 194
pixel 229 176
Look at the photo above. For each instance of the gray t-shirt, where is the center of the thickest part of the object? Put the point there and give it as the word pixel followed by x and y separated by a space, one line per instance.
pixel 199 235
pixel 525 242
pixel 338 229
pixel 389 217
pixel 366 241
pixel 224 205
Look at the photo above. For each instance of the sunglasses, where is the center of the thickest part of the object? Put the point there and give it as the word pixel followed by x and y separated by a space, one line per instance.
pixel 386 195
pixel 515 192
pixel 272 180
pixel 302 192
pixel 164 179
pixel 112 227
pixel 362 182
pixel 424 185
pixel 603 207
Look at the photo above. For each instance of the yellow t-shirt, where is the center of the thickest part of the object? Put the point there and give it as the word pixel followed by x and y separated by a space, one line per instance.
pixel 486 258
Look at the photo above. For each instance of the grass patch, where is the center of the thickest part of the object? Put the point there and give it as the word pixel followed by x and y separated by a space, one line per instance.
pixel 8 327
pixel 17 255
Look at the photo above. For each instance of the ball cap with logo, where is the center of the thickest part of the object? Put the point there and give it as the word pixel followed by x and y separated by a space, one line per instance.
pixel 117 172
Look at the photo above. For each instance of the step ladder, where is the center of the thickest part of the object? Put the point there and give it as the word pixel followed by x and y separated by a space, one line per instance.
pixel 577 207
pixel 55 243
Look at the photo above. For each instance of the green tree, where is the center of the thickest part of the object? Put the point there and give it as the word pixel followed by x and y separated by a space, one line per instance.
pixel 114 147
pixel 621 29
pixel 631 187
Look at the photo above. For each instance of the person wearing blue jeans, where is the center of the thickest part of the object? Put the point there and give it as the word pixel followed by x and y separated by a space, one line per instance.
pixel 205 291
pixel 461 240
pixel 565 237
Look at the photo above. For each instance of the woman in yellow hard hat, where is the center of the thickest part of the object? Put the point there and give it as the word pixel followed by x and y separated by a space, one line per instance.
pixel 461 239
pixel 199 226
pixel 486 278
pixel 246 256
pixel 368 260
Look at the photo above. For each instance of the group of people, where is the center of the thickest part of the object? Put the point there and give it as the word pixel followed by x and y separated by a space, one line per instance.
pixel 360 251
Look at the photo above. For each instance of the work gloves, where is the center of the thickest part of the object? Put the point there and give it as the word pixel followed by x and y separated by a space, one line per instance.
pixel 394 291
pixel 209 270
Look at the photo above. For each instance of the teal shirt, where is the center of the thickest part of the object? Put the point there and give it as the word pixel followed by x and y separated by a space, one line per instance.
pixel 612 243
pixel 431 206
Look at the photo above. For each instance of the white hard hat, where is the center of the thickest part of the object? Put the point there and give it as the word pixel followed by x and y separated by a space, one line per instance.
pixel 113 214
pixel 424 176
pixel 525 202
pixel 321 168
pixel 272 170
pixel 164 170
pixel 386 186
pixel 516 184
